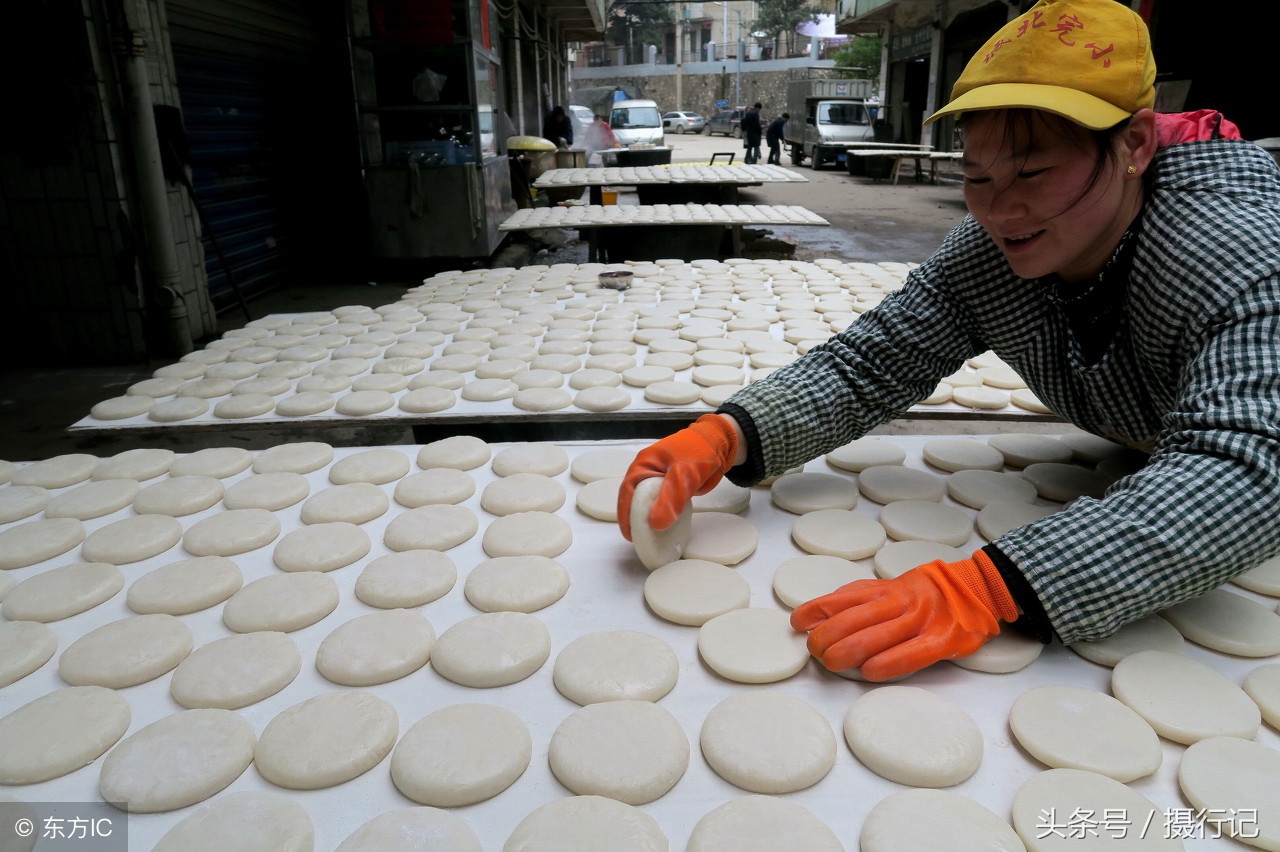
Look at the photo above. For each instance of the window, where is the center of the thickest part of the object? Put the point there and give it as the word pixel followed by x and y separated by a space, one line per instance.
pixel 842 114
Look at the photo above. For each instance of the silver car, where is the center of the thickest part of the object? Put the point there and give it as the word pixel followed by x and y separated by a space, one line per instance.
pixel 680 121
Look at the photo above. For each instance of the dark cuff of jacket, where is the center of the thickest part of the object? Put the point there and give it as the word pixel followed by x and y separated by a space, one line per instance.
pixel 1034 621
pixel 750 471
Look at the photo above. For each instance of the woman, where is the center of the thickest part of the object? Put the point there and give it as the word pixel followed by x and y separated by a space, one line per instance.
pixel 1128 266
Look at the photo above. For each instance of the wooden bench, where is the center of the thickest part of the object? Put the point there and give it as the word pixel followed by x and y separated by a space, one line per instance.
pixel 916 154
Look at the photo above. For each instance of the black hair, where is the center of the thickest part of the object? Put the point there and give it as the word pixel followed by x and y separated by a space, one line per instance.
pixel 1019 125
pixel 757 105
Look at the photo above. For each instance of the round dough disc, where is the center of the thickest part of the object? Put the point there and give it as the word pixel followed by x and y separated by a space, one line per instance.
pixel 762 822
pixel 44 538
pixel 62 592
pixel 1227 776
pixel 236 671
pixel 602 399
pixel 406 827
pixel 615 665
pixel 838 532
pixel 321 547
pixel 955 454
pixel 752 645
pixel 56 472
pixel 603 463
pixel 298 457
pixel 656 548
pixel 184 587
pixel 1075 728
pixel 326 740
pixel 599 499
pixel 127 652
pixel 231 532
pixel 461 754
pixel 283 602
pixel 1184 700
pixel 1043 805
pixel 177 761
pixel 135 538
pixel 725 497
pixel 923 520
pixel 977 488
pixel 139 465
pixel 546 459
pixel 60 732
pixel 1263 686
pixel 434 486
pixel 93 499
pixel 248 821
pixel 632 751
pixel 405 580
pixel 1006 652
pixel 527 534
pixel 863 453
pixel 768 742
pixel 271 491
pixel 522 492
pixel 808 492
pixel 438 527
pixel 1263 579
pixel 913 736
pixel 461 452
pixel 587 822
pixel 694 591
pixel 516 584
pixel 997 518
pixel 22 501
pixel 1063 483
pixel 376 648
pixel 898 557
pixel 721 537
pixel 1227 622
pixel 1020 449
pixel 24 647
pixel 378 466
pixel 493 649
pixel 935 819
pixel 352 503
pixel 218 462
pixel 1152 633
pixel 804 578
pixel 889 483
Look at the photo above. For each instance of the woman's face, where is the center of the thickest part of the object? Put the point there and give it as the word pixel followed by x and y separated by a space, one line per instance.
pixel 1029 185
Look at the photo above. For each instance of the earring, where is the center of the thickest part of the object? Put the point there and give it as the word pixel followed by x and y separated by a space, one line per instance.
pixel 1133 170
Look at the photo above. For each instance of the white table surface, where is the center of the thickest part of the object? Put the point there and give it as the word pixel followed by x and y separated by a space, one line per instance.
pixel 605 594
pixel 669 215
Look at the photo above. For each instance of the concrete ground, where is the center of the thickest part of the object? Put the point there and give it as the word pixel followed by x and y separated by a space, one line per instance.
pixel 870 221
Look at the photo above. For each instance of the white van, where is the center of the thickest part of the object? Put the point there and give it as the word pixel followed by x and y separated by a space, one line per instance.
pixel 636 123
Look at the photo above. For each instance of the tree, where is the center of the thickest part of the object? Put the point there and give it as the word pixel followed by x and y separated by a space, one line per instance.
pixel 638 24
pixel 783 16
pixel 863 53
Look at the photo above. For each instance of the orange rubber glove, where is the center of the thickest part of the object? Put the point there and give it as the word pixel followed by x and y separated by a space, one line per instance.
pixel 889 628
pixel 691 462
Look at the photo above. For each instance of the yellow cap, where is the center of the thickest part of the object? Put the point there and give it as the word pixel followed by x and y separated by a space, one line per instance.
pixel 1086 60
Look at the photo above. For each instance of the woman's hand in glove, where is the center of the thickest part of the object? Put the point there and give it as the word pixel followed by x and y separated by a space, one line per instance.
pixel 690 462
pixel 889 628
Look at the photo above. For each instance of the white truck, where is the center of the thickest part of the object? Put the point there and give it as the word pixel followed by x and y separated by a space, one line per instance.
pixel 827 116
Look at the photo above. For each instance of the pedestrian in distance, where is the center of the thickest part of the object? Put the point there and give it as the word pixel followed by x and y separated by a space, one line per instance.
pixel 558 128
pixel 773 136
pixel 751 132
pixel 1127 265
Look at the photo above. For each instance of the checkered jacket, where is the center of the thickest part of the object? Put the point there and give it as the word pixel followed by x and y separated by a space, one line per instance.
pixel 1192 376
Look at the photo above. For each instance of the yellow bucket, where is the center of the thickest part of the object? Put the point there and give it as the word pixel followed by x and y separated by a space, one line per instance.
pixel 608 197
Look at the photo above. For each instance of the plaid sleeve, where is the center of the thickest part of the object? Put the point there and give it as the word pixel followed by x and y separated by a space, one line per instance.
pixel 1205 508
pixel 888 359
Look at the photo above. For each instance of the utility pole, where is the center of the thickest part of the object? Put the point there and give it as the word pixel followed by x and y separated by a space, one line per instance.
pixel 679 54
